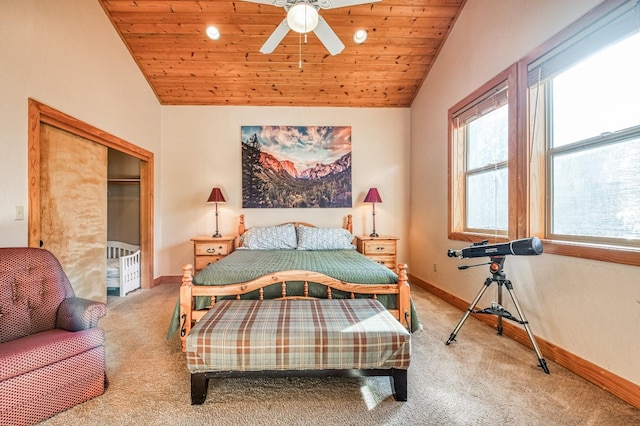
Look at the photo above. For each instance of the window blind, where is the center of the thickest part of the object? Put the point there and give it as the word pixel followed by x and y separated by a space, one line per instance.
pixel 492 100
pixel 616 25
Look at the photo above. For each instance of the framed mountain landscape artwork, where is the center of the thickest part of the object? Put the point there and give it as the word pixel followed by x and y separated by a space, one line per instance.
pixel 296 166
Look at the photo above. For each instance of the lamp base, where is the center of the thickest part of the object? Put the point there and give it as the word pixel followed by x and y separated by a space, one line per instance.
pixel 217 235
pixel 373 234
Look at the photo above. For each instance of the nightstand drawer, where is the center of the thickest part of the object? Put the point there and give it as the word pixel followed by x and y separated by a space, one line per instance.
pixel 207 250
pixel 379 247
pixel 382 249
pixel 388 261
pixel 217 249
pixel 204 261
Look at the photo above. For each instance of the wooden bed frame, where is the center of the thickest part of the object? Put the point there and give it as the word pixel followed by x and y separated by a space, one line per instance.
pixel 189 315
pixel 188 291
pixel 200 380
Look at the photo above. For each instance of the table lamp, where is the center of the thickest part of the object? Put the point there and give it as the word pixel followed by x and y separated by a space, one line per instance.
pixel 373 197
pixel 216 197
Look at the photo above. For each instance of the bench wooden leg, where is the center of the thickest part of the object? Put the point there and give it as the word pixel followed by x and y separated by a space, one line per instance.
pixel 199 387
pixel 398 384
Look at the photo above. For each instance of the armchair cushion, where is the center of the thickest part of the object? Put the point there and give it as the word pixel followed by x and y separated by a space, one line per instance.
pixel 36 351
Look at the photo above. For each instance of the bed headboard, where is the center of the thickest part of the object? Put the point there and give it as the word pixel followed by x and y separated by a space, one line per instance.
pixel 242 228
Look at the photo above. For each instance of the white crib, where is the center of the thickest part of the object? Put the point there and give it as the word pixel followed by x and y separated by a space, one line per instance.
pixel 123 266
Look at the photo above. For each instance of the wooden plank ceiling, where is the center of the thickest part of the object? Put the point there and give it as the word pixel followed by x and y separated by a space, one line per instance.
pixel 183 67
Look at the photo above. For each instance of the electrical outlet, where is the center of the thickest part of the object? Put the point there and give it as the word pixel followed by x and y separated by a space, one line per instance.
pixel 435 267
pixel 19 213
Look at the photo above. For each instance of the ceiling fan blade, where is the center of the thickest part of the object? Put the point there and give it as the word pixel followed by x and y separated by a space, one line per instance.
pixel 328 37
pixel 334 4
pixel 275 38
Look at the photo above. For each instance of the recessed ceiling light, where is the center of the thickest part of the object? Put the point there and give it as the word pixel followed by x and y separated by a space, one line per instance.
pixel 213 33
pixel 360 36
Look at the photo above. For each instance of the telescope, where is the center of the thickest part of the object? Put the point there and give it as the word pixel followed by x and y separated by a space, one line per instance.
pixel 521 247
pixel 497 253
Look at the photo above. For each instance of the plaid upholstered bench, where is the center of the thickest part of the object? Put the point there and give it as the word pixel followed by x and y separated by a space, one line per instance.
pixel 310 337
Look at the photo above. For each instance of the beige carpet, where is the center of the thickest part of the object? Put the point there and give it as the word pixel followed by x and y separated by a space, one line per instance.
pixel 482 379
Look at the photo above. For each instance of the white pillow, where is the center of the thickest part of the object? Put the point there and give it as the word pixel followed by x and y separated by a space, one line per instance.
pixel 324 238
pixel 281 237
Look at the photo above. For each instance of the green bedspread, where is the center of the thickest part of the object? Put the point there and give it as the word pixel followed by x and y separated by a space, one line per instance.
pixel 245 265
pixel 345 265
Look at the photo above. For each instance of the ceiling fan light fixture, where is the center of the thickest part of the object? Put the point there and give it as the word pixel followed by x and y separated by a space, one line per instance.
pixel 302 18
pixel 360 36
pixel 212 32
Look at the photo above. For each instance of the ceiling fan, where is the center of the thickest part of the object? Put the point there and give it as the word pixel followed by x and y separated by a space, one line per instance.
pixel 302 17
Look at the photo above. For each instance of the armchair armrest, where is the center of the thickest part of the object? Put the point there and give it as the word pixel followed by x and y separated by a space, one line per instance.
pixel 75 314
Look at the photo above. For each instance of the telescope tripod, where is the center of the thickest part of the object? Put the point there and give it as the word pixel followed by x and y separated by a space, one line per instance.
pixel 499 277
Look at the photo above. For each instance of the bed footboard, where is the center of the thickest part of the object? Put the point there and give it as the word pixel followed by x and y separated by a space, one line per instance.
pixel 188 292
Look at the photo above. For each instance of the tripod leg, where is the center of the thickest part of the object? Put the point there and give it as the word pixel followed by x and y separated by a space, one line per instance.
pixel 499 325
pixel 484 288
pixel 525 323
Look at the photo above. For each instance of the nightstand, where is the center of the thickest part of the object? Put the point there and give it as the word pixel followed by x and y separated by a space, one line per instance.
pixel 207 250
pixel 382 249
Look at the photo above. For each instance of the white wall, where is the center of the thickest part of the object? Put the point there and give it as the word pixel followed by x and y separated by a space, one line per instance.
pixel 589 308
pixel 67 55
pixel 201 149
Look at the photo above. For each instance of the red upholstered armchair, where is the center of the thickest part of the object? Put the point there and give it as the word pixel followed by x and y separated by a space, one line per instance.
pixel 51 350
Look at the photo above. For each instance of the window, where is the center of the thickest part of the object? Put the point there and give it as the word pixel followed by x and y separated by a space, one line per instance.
pixel 486 171
pixel 588 122
pixel 479 141
pixel 551 146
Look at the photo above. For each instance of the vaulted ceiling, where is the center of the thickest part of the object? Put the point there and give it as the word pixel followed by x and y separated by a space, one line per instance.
pixel 183 66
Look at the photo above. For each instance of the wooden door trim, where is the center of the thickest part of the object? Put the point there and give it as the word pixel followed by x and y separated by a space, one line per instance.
pixel 41 113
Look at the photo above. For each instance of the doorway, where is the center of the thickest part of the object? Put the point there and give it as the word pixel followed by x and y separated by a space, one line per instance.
pixel 40 114
pixel 123 222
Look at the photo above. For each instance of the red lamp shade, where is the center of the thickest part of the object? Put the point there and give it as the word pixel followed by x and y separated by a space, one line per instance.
pixel 216 196
pixel 373 196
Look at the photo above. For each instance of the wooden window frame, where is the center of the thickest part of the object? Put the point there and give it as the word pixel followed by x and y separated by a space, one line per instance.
pixel 535 141
pixel 456 170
